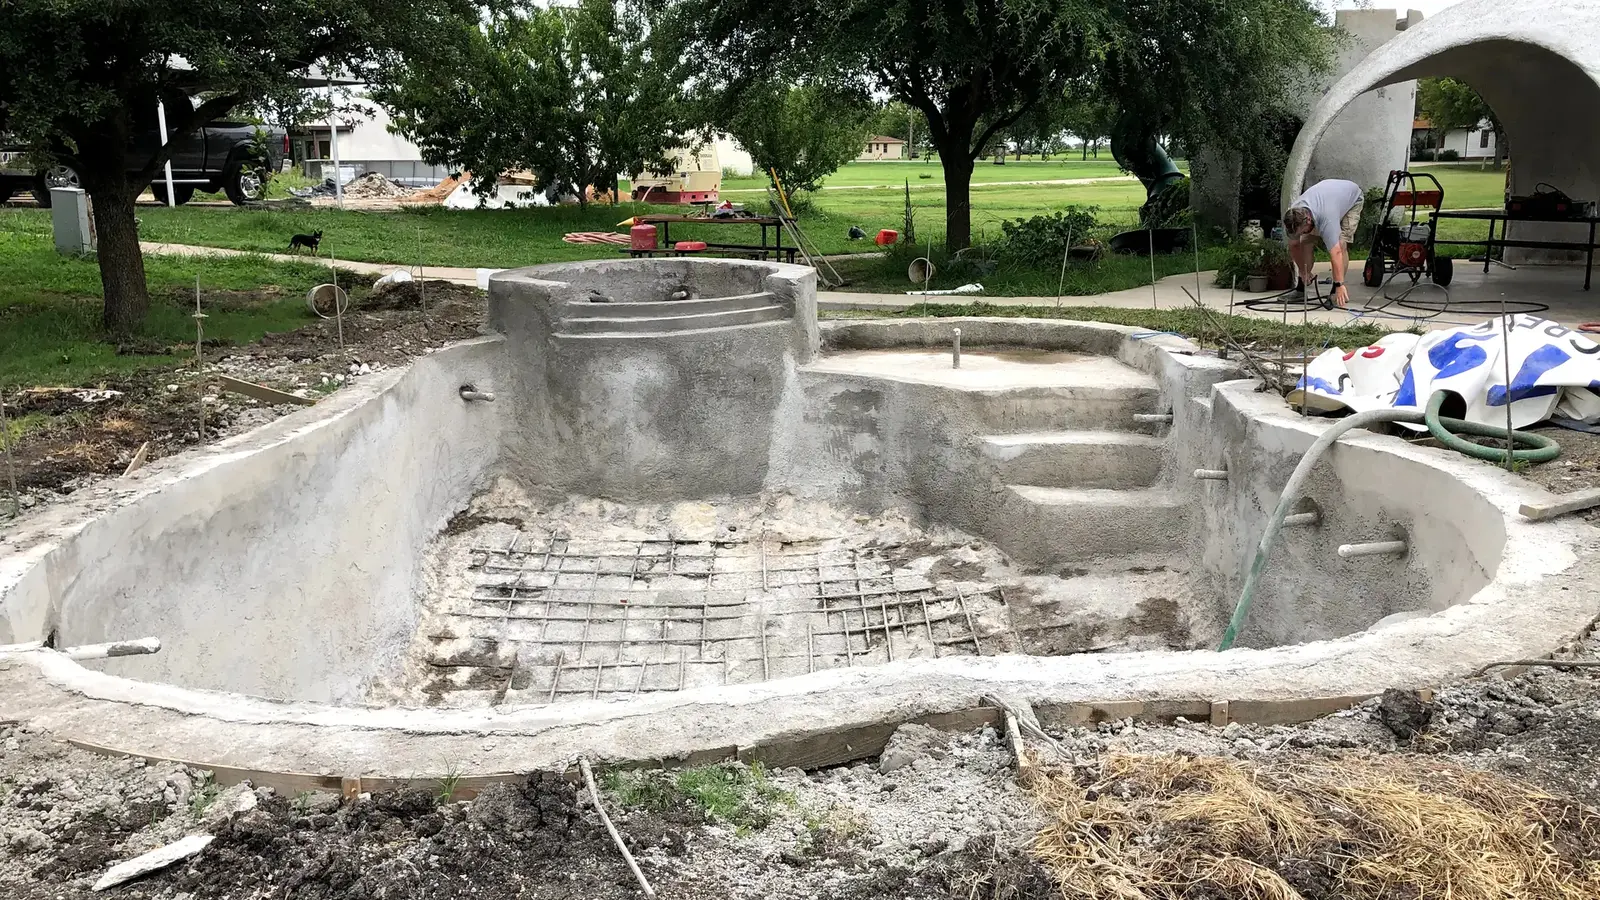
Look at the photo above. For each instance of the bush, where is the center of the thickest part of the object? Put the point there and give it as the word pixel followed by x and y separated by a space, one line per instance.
pixel 1449 156
pixel 1169 209
pixel 1370 214
pixel 1045 237
pixel 1029 241
pixel 1245 257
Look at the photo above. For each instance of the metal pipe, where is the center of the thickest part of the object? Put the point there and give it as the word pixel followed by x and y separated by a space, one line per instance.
pixel 1211 474
pixel 1373 548
pixel 955 350
pixel 1305 518
pixel 1161 418
pixel 468 392
pixel 161 122
pixel 113 649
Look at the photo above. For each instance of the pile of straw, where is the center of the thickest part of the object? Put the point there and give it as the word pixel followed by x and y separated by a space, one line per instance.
pixel 1147 827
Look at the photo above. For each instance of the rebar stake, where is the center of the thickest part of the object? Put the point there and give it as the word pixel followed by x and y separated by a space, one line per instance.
pixel 616 838
pixel 199 365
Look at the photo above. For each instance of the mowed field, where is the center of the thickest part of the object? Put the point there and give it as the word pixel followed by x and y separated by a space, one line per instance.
pixel 505 238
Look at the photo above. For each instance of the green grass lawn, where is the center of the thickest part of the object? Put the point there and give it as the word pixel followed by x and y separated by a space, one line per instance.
pixel 50 306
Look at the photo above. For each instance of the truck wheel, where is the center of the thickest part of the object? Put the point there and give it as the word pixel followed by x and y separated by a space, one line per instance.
pixel 181 193
pixel 62 174
pixel 1444 270
pixel 245 183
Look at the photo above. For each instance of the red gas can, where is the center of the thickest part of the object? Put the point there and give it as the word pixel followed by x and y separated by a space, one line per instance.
pixel 642 237
pixel 886 237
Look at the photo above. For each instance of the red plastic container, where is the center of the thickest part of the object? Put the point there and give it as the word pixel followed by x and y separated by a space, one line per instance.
pixel 642 237
pixel 689 245
pixel 886 237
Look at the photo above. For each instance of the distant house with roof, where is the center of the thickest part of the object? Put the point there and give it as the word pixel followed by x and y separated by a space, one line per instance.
pixel 880 147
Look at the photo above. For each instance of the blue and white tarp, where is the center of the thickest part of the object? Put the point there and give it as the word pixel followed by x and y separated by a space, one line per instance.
pixel 1555 371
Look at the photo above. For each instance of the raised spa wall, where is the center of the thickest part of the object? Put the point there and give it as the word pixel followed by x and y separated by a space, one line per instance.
pixel 287 563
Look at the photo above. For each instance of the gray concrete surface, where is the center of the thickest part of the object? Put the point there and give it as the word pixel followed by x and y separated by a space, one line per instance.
pixel 282 562
pixel 285 563
pixel 1536 62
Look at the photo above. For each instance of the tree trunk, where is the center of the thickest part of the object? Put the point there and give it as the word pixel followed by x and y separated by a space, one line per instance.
pixel 957 199
pixel 1499 150
pixel 127 297
pixel 1085 151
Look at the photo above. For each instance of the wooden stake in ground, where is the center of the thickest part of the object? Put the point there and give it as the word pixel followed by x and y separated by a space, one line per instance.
pixel 199 365
pixel 11 465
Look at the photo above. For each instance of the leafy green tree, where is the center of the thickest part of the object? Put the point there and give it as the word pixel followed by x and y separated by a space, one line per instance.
pixel 1449 104
pixel 1087 114
pixel 578 94
pixel 803 132
pixel 974 68
pixel 79 79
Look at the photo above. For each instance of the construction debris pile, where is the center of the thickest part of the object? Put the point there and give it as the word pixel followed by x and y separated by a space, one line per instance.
pixel 370 186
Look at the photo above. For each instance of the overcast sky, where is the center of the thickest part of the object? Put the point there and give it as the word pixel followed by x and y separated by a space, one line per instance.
pixel 1428 7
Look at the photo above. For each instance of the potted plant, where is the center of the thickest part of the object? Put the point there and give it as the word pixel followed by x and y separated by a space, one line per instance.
pixel 1247 264
pixel 1274 266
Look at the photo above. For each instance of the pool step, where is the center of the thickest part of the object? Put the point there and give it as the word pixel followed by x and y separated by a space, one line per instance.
pixel 1119 460
pixel 583 309
pixel 1051 525
pixel 1068 407
pixel 631 324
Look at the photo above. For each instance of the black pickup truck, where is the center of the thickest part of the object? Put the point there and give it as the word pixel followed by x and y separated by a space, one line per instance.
pixel 220 156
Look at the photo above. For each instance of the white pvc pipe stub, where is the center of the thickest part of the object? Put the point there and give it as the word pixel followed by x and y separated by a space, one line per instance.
pixel 955 348
pixel 1211 474
pixel 1373 548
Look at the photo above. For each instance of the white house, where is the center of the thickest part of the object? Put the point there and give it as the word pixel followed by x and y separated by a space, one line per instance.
pixel 1477 142
pixel 365 144
pixel 880 147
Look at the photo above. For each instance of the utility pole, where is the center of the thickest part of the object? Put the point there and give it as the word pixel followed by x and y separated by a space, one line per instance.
pixel 911 122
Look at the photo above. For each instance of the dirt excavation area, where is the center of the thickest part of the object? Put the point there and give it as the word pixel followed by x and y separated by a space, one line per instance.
pixel 70 438
pixel 1489 790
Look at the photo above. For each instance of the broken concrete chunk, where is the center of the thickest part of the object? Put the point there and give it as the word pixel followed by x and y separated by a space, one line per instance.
pixel 909 743
pixel 1403 713
pixel 159 858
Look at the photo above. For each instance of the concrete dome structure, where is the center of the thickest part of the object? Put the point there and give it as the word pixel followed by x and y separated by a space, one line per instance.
pixel 1536 62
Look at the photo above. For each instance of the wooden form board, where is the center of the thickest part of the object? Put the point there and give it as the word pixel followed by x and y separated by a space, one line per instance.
pixel 816 750
pixel 262 392
pixel 1561 505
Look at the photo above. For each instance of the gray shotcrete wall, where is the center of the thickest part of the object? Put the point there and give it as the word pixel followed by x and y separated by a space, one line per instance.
pixel 284 563
pixel 685 413
pixel 1366 488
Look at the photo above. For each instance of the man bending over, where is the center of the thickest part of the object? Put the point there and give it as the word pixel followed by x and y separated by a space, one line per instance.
pixel 1330 210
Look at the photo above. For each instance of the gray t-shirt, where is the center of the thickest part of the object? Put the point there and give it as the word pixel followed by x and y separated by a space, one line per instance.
pixel 1329 201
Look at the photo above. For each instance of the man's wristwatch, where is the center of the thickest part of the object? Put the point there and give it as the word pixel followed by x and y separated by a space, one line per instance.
pixel 1338 284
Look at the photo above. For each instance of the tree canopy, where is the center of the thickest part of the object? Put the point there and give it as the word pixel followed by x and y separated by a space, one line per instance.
pixel 803 132
pixel 79 79
pixel 974 67
pixel 579 95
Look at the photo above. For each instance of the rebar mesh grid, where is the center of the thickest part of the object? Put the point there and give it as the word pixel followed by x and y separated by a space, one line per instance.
pixel 560 617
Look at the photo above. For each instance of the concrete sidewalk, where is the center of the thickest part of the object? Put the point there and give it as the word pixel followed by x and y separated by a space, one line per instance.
pixel 437 273
pixel 1474 296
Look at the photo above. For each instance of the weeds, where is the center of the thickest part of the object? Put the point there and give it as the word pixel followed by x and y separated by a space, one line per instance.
pixel 447 785
pixel 204 794
pixel 731 794
pixel 302 802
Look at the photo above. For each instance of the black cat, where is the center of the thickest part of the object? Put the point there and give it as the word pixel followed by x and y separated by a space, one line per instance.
pixel 308 241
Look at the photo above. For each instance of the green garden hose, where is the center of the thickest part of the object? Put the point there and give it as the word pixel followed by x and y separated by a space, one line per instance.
pixel 1446 430
pixel 1442 428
